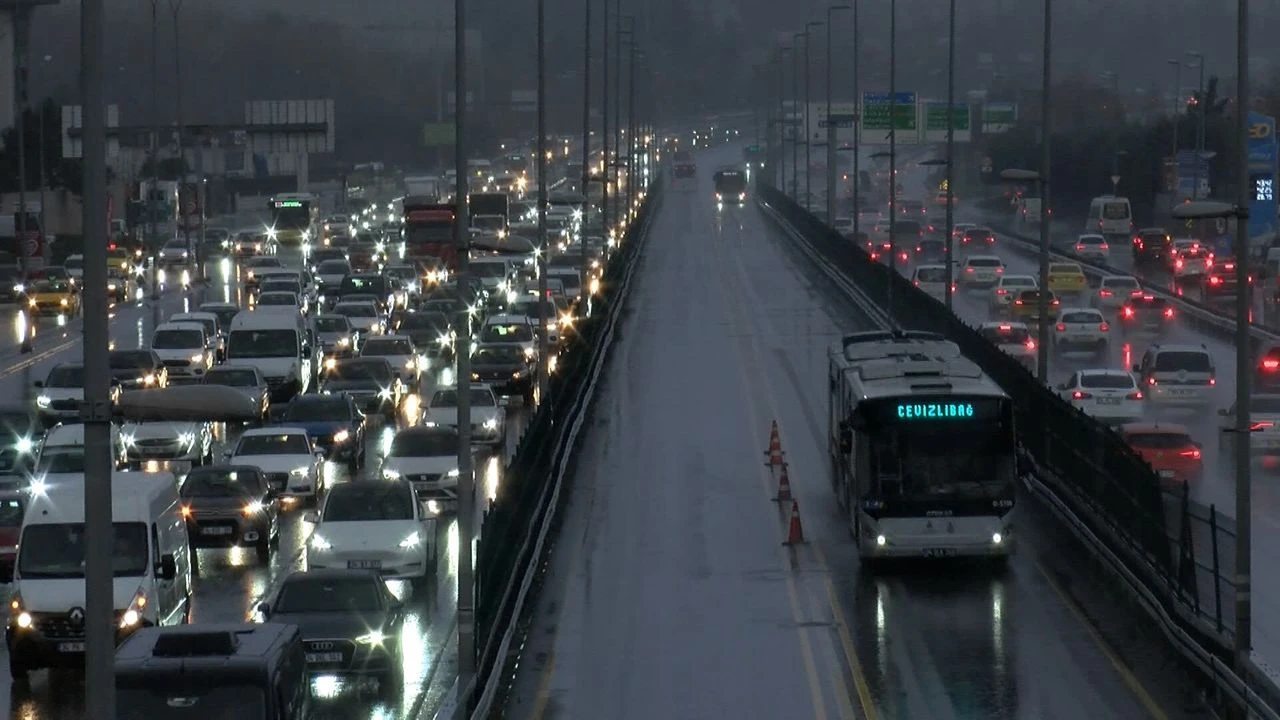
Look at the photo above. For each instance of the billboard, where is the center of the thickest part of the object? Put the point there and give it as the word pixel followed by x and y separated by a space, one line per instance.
pixel 1262 175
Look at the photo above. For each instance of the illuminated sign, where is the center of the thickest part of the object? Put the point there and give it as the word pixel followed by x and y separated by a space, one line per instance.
pixel 1264 188
pixel 935 411
pixel 288 203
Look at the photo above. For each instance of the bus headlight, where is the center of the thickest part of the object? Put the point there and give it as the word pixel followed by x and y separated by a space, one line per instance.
pixel 881 540
pixel 996 538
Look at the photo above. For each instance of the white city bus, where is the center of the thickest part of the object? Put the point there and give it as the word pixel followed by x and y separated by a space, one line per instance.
pixel 922 448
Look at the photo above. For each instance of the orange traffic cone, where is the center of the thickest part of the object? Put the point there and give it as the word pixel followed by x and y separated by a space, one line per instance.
pixel 795 533
pixel 775 447
pixel 784 486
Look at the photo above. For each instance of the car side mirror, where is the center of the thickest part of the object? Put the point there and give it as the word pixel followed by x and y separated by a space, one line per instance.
pixel 168 569
pixel 311 516
pixel 264 609
pixel 38 383
pixel 306 353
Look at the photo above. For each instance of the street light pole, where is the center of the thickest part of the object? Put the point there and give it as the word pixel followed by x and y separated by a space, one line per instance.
pixel 831 128
pixel 604 130
pixel 631 129
pixel 1042 300
pixel 951 142
pixel 462 356
pixel 857 127
pixel 1177 117
pixel 893 150
pixel 617 113
pixel 543 167
pixel 175 7
pixel 795 102
pixel 1244 359
pixel 808 103
pixel 783 118
pixel 1200 110
pixel 583 267
pixel 21 28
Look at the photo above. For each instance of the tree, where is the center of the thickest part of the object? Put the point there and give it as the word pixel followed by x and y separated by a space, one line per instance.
pixel 58 173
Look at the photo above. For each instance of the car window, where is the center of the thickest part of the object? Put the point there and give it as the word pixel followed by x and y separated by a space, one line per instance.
pixel 1006 336
pixel 330 595
pixel 1174 360
pixel 221 483
pixel 325 408
pixel 449 398
pixel 274 444
pixel 1106 381
pixel 419 443
pixel 1081 317
pixel 387 346
pixel 231 377
pixel 362 502
pixel 1158 440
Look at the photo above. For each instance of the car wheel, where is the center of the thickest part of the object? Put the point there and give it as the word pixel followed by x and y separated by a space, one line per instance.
pixel 263 548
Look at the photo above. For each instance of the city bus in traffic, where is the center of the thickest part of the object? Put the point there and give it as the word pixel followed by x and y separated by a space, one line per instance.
pixel 294 217
pixel 922 447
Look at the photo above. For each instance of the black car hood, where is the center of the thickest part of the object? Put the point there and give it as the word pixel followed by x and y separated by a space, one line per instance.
pixel 207 503
pixel 316 626
pixel 340 385
pixel 506 367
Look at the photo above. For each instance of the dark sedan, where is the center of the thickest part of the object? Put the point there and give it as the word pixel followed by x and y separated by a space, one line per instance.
pixel 430 331
pixel 334 423
pixel 230 506
pixel 371 382
pixel 350 623
pixel 137 369
pixel 505 367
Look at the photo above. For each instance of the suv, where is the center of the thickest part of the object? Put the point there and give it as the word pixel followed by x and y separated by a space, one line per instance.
pixel 1151 247
pixel 1146 312
pixel 1221 283
pixel 1266 374
pixel 1182 375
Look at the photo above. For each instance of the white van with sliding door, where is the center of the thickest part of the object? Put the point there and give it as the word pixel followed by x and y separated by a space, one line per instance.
pixel 1109 216
pixel 278 344
pixel 149 555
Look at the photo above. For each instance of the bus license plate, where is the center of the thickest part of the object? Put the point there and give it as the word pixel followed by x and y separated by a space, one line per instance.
pixel 324 657
pixel 71 647
pixel 939 552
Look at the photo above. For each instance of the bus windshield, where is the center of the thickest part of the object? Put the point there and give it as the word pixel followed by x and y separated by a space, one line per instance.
pixel 291 214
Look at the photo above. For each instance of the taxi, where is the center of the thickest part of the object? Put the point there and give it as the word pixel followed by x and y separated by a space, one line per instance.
pixel 53 297
pixel 1006 290
pixel 1067 278
pixel 119 258
pixel 1026 305
pixel 1013 338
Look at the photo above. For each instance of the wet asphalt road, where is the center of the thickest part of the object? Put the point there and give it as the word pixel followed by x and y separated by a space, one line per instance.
pixel 232 582
pixel 669 593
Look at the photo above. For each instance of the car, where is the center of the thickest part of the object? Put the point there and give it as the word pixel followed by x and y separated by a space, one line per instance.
pixel 931 279
pixel 224 311
pixel 172 253
pixel 212 329
pixel 335 424
pixel 407 276
pixel 335 334
pixel 74 267
pixel 335 225
pixel 121 259
pixel 364 256
pixel 371 284
pixel 137 369
pixel 245 379
pixel 255 266
pixel 1189 259
pixel 322 255
pixel 1079 328
pixel 1091 246
pixel 252 243
pixel 1114 291
pixel 1014 338
pixel 60 394
pixel 227 506
pixel 1111 396
pixel 1151 247
pixel 931 251
pixel 364 316
pixel 1177 375
pixel 53 297
pixel 976 239
pixel 117 285
pixel 1264 427
pixel 13 509
pixel 401 352
pixel 1222 283
pixel 280 302
pixel 959 229
pixel 1266 372
pixel 1067 278
pixel 843 225
pixel 350 623
pixel 284 454
pixel 426 457
pixel 488 415
pixel 981 271
pixel 329 273
pixel 430 331
pixel 505 367
pixel 1026 306
pixel 1146 313
pixel 1006 290
pixel 20 431
pixel 374 525
pixel 510 329
pixel 1167 448
pixel 185 349
pixel 372 382
pixel 163 446
pixel 559 317
pixel 494 273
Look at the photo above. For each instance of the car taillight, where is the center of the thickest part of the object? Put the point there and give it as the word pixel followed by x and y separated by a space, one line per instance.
pixel 1168 312
pixel 1017 302
pixel 1104 246
pixel 1104 293
pixel 1104 327
pixel 1271 365
pixel 1079 248
pixel 1152 381
pixel 1001 291
pixel 1215 280
pixel 1194 454
pixel 968 269
pixel 1062 327
pixel 1178 264
pixel 991 239
pixel 1213 381
pixel 1261 425
pixel 1135 395
pixel 1128 312
pixel 999 271
pixel 1078 395
pixel 1031 344
pixel 919 249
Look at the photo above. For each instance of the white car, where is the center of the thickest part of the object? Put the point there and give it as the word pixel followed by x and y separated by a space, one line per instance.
pixel 1006 289
pixel 1190 259
pixel 363 314
pixel 329 273
pixel 1116 290
pixel 488 415
pixel 377 526
pixel 173 252
pixel 152 446
pixel 1014 338
pixel 932 279
pixel 1264 422
pixel 287 457
pixel 400 351
pixel 427 457
pixel 981 271
pixel 74 265
pixel 1112 396
pixel 510 329
pixel 280 301
pixel 60 394
pixel 843 225
pixel 1081 328
pixel 1093 247
pixel 184 348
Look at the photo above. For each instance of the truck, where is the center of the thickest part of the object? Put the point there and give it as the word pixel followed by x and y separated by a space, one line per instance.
pixel 428 238
pixel 490 211
pixel 427 186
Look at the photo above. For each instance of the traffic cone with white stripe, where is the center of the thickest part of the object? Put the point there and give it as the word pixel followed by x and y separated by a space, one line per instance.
pixel 795 533
pixel 774 452
pixel 784 486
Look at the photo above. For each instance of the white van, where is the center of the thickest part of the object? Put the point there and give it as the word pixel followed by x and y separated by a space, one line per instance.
pixel 151 559
pixel 61 452
pixel 1110 215
pixel 276 344
pixel 185 348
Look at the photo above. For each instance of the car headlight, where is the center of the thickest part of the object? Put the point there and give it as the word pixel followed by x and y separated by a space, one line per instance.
pixel 133 614
pixel 389 474
pixel 317 542
pixel 491 424
pixel 343 342
pixel 253 508
pixel 198 357
pixel 128 440
pixel 385 393
pixel 149 379
pixel 411 363
pixel 529 352
pixel 44 401
pixel 271 234
pixel 453 473
pixel 300 471
pixel 373 637
pixel 63 302
pixel 341 436
pixel 412 541
pixel 24 445
pixel 111 287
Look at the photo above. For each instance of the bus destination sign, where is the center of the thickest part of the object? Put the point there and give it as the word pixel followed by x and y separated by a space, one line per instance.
pixel 936 411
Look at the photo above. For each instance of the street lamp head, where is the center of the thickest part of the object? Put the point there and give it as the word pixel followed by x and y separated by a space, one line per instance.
pixel 1019 175
pixel 1205 210
pixel 877 155
pixel 933 162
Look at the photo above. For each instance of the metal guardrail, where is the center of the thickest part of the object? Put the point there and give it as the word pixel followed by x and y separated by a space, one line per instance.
pixel 1174 564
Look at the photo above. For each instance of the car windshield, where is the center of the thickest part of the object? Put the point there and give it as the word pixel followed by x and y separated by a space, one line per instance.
pixel 131 359
pixel 66 376
pixel 1175 360
pixel 1116 211
pixel 262 344
pixel 56 550
pixel 324 408
pixel 61 459
pixel 931 274
pixel 1121 283
pixel 449 398
pixel 374 285
pixel 1107 381
pixel 985 262
pixel 232 377
pixel 1269 404
pixel 529 308
pixel 1158 440
pixel 498 355
pixel 489 269
pixel 378 347
pixel 403 272
pixel 424 321
pixel 357 594
pixel 282 286
pixel 190 697
pixel 356 310
pixel 506 332
pixel 1081 317
pixel 1006 336
pixel 570 280
pixel 278 299
pixel 1018 282
pixel 331 324
pixel 379 371
pixel 214 482
pixel 419 443
pixel 361 502
pixel 1090 240
pixel 52 286
pixel 333 267
pixel 274 444
pixel 260 262
pixel 177 339
pixel 1065 269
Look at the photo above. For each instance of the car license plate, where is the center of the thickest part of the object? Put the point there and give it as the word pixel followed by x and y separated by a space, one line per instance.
pixel 939 552
pixel 324 657
pixel 1168 474
pixel 217 530
pixel 1108 401
pixel 1182 393
pixel 71 647
pixel 364 564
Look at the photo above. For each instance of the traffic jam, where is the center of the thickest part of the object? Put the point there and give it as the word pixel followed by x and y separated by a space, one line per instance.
pixel 286 446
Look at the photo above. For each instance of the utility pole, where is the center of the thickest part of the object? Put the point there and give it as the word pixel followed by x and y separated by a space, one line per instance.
pixel 831 126
pixel 586 155
pixel 808 103
pixel 95 412
pixel 618 219
pixel 893 150
pixel 1244 359
pixel 543 166
pixel 151 246
pixel 951 143
pixel 857 127
pixel 1200 111
pixel 462 356
pixel 1046 134
pixel 604 132
pixel 21 31
pixel 631 130
pixel 795 90
pixel 1177 118
pixel 175 7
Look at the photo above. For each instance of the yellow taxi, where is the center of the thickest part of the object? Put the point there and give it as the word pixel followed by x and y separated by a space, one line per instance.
pixel 1026 307
pixel 53 296
pixel 118 258
pixel 1066 278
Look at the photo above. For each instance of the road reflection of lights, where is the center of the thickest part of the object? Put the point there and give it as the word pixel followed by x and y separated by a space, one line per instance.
pixel 384 440
pixel 138 294
pixel 224 267
pixel 142 333
pixel 451 548
pixel 326 687
pixel 186 304
pixel 62 320
pixel 412 408
pixel 882 640
pixel 997 625
pixel 492 476
pixel 237 557
pixel 20 326
pixel 446 376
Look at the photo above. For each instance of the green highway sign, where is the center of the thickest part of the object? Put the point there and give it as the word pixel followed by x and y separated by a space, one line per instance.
pixel 935 117
pixel 876 108
pixel 998 117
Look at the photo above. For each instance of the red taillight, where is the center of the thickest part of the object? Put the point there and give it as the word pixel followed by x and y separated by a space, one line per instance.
pixel 1270 364
pixel 1104 246
pixel 1104 293
pixel 1178 264
pixel 1261 425
pixel 1194 454
pixel 1078 395
pixel 916 283
pixel 1152 381
pixel 1215 280
pixel 919 249
pixel 1168 312
pixel 1104 327
pixel 1031 344
pixel 1001 291
pixel 1079 247
pixel 1128 312
pixel 1062 327
pixel 991 239
pixel 1017 302
pixel 1000 271
pixel 1135 395
pixel 968 269
pixel 1213 382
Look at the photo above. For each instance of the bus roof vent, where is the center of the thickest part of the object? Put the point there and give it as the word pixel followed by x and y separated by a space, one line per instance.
pixel 195 644
pixel 939 386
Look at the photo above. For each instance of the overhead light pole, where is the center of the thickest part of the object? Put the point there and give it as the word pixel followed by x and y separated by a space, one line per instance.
pixel 795 106
pixel 607 223
pixel 1042 278
pixel 543 167
pixel 1200 117
pixel 831 128
pixel 857 128
pixel 583 266
pixel 622 33
pixel 1178 106
pixel 893 148
pixel 784 118
pixel 808 103
pixel 951 149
